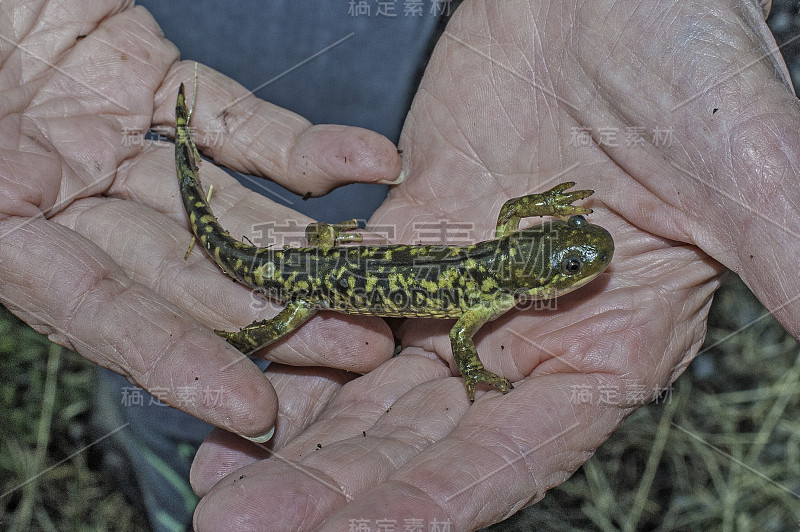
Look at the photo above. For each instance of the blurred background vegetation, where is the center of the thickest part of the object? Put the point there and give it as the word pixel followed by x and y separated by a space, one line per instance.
pixel 721 451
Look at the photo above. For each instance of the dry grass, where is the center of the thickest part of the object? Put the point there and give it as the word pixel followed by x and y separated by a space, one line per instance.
pixel 49 480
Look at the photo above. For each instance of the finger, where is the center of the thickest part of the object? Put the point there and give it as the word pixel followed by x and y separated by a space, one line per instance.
pixel 376 423
pixel 246 134
pixel 766 6
pixel 496 460
pixel 151 247
pixel 303 394
pixel 65 286
pixel 221 454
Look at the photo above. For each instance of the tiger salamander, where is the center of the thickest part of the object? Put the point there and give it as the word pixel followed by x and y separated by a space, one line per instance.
pixel 472 284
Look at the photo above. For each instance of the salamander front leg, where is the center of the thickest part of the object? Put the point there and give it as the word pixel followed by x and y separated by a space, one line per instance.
pixel 326 236
pixel 554 202
pixel 265 332
pixel 464 352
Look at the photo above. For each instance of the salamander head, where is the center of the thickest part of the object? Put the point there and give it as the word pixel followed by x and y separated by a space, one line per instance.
pixel 556 257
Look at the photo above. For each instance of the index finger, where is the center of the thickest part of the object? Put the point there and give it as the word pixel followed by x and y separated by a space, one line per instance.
pixel 246 134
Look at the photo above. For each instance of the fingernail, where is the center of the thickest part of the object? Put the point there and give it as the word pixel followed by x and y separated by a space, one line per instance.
pixel 260 439
pixel 397 181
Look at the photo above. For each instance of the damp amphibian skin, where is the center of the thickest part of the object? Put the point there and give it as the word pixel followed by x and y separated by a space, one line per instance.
pixel 472 284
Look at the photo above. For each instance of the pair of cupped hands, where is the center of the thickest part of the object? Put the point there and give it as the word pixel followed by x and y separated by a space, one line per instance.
pixel 693 161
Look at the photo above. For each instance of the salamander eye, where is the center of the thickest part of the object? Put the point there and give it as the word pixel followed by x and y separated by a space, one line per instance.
pixel 571 265
pixel 577 221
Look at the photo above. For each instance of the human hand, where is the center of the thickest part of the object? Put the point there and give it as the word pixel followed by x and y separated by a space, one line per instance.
pixel 494 119
pixel 92 233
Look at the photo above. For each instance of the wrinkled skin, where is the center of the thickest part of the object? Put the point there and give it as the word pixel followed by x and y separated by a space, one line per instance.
pixel 92 232
pixel 493 119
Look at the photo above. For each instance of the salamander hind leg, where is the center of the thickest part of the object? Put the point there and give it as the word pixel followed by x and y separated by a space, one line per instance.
pixel 326 236
pixel 464 352
pixel 265 332
pixel 554 202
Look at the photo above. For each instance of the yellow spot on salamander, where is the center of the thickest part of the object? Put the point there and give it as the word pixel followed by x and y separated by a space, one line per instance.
pixel 370 283
pixel 428 285
pixel 488 285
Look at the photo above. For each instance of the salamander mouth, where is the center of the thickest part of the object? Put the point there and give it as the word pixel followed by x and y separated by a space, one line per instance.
pixel 553 292
pixel 589 278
